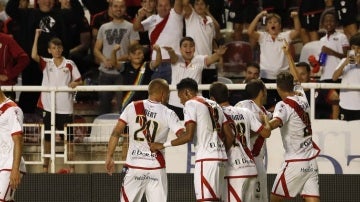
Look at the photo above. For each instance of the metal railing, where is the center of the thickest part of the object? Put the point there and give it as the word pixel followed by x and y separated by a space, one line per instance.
pixel 38 146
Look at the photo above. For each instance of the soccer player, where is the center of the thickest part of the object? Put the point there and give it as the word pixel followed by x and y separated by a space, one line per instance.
pixel 257 93
pixel 148 121
pixel 206 124
pixel 12 165
pixel 241 170
pixel 299 173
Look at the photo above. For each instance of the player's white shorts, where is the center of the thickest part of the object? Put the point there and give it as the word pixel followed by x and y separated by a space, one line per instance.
pixel 239 189
pixel 260 189
pixel 297 177
pixel 6 193
pixel 151 182
pixel 209 179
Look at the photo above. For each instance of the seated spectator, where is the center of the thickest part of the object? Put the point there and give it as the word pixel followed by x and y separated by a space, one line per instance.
pixel 252 71
pixel 349 69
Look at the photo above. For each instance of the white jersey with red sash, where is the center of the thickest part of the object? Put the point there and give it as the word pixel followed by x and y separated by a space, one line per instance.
pixel 148 121
pixel 209 118
pixel 258 143
pixel 166 31
pixel 240 159
pixel 11 120
pixel 296 133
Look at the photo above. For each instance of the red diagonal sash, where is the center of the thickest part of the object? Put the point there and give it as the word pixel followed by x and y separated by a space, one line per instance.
pixel 7 106
pixel 140 111
pixel 213 116
pixel 301 113
pixel 157 31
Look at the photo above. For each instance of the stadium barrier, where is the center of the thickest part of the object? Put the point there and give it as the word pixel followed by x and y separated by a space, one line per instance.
pixel 93 145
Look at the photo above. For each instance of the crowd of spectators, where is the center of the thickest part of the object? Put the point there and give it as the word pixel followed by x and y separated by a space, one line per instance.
pixel 114 26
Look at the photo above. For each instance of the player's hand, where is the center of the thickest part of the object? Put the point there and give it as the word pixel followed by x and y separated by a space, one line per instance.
pixel 110 165
pixel 15 178
pixel 155 146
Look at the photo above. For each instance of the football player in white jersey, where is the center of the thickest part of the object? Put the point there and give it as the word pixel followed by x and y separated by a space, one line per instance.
pixel 148 121
pixel 12 165
pixel 207 125
pixel 256 90
pixel 299 173
pixel 241 170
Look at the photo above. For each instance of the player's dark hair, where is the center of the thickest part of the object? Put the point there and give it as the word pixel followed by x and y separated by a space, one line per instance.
pixel 304 64
pixel 254 87
pixel 219 92
pixel 186 38
pixel 285 81
pixel 56 41
pixel 187 83
pixel 355 40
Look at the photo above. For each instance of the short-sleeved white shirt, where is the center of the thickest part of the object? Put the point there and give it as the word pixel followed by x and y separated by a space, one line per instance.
pixel 202 31
pixel 208 144
pixel 272 57
pixel 256 110
pixel 170 35
pixel 11 123
pixel 350 99
pixel 240 160
pixel 160 120
pixel 297 145
pixel 180 70
pixel 56 76
pixel 337 41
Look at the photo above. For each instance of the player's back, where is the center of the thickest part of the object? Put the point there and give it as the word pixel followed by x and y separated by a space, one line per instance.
pixel 207 140
pixel 153 127
pixel 296 131
pixel 241 161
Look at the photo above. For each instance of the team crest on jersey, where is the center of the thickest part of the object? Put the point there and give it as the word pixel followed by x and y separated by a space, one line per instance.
pixel 66 70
